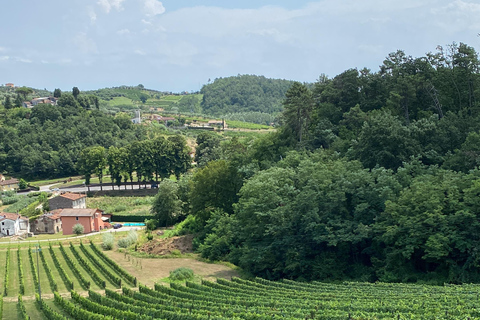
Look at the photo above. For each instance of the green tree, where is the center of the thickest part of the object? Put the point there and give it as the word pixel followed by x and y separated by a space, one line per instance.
pixel 114 161
pixel 78 229
pixel 167 205
pixel 298 107
pixel 22 185
pixel 7 104
pixel 75 92
pixel 57 93
pixel 208 148
pixel 24 92
pixel 214 186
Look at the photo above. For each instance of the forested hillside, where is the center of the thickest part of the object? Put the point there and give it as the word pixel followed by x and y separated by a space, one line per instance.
pixel 244 93
pixel 372 176
pixel 45 141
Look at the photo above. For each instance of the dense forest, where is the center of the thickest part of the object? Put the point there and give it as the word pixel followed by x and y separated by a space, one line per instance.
pixel 244 93
pixel 372 176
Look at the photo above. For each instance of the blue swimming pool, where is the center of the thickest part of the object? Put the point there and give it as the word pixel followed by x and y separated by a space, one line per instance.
pixel 133 224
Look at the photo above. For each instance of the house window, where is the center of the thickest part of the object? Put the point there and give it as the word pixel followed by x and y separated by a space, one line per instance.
pixel 76 218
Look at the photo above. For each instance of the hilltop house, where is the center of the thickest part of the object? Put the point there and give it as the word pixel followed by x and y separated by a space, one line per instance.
pixel 68 200
pixel 10 85
pixel 12 224
pixel 90 219
pixel 50 223
pixel 8 185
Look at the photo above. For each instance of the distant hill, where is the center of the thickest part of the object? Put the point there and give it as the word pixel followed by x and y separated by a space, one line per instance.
pixel 244 93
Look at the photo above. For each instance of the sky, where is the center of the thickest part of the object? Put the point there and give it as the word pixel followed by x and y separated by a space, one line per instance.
pixel 179 45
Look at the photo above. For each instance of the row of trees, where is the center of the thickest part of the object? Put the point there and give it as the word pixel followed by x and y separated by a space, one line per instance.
pixel 150 160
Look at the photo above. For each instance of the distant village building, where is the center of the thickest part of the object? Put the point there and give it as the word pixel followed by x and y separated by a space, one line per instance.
pixel 68 200
pixel 32 103
pixel 90 219
pixel 49 223
pixel 12 224
pixel 10 85
pixel 8 185
pixel 137 118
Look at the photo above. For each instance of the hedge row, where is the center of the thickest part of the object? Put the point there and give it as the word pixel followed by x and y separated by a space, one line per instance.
pixel 22 309
pixel 1 306
pixel 34 268
pixel 86 265
pixel 116 280
pixel 63 274
pixel 75 312
pixel 119 218
pixel 20 273
pixel 105 310
pixel 114 265
pixel 5 282
pixel 47 311
pixel 48 271
pixel 84 282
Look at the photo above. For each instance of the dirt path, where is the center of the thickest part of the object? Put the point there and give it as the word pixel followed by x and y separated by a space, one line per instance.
pixel 149 271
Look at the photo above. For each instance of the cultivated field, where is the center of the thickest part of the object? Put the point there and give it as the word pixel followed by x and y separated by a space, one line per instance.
pixel 82 282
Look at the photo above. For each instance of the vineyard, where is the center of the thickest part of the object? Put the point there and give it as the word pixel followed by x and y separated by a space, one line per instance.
pixel 80 282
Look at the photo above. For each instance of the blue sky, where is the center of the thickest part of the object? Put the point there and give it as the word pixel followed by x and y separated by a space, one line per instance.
pixel 178 45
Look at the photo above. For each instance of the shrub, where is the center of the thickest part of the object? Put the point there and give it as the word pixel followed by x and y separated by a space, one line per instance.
pixel 149 236
pixel 78 229
pixel 181 274
pixel 151 224
pixel 108 241
pixel 130 239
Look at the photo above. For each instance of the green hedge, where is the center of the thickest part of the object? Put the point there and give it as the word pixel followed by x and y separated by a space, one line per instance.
pixel 118 218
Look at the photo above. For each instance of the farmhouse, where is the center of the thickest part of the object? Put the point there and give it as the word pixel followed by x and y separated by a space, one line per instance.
pixel 49 223
pixel 90 219
pixel 68 200
pixel 10 85
pixel 12 224
pixel 8 185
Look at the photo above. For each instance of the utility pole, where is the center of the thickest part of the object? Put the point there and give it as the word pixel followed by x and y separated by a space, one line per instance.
pixel 38 271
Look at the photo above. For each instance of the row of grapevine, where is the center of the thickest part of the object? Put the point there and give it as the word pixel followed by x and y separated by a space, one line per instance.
pixel 115 280
pixel 47 311
pixel 21 307
pixel 63 273
pixel 48 271
pixel 114 265
pixel 20 273
pixel 73 266
pixel 1 306
pixel 106 310
pixel 7 266
pixel 77 313
pixel 33 267
pixel 86 265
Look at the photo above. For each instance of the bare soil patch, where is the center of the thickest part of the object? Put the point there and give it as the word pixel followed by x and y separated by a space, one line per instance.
pixel 149 271
pixel 182 244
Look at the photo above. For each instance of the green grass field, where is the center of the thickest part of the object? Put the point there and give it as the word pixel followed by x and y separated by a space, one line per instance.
pixel 120 101
pixel 122 205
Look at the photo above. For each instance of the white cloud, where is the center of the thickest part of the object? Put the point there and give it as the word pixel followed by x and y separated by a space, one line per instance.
pixel 146 22
pixel 457 16
pixel 85 44
pixel 3 49
pixel 23 60
pixel 92 15
pixel 3 58
pixel 107 5
pixel 139 52
pixel 153 7
pixel 123 32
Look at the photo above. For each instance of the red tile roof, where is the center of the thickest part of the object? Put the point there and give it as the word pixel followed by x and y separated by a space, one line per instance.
pixel 8 182
pixel 11 216
pixel 73 196
pixel 78 212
